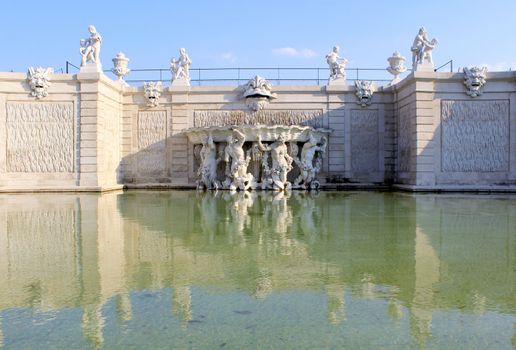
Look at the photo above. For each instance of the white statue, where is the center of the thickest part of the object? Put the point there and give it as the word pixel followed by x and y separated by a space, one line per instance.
pixel 208 169
pixel 173 67
pixel 180 69
pixel 234 156
pixel 475 79
pixel 364 92
pixel 90 48
pixel 258 93
pixel 120 69
pixel 396 66
pixel 39 81
pixel 311 151
pixel 422 49
pixel 281 161
pixel 336 64
pixel 427 51
pixel 152 92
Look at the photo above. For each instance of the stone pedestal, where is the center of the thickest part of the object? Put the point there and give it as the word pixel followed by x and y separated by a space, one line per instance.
pixel 337 82
pixel 181 82
pixel 91 68
pixel 424 67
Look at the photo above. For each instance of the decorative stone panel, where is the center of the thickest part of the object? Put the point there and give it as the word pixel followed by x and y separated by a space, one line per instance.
pixel 40 137
pixel 404 135
pixel 152 133
pixel 264 117
pixel 475 136
pixel 364 141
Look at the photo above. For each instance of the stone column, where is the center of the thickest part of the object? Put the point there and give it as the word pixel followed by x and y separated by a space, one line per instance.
pixel 99 131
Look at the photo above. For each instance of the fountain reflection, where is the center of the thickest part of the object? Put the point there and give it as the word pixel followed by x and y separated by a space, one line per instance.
pixel 418 253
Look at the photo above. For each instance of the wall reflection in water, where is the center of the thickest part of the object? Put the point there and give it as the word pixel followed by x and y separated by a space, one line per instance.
pixel 421 255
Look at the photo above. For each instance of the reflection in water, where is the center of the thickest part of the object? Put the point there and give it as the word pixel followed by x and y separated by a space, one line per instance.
pixel 426 275
pixel 402 261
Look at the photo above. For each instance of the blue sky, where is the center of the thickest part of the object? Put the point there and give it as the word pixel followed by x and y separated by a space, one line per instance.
pixel 257 33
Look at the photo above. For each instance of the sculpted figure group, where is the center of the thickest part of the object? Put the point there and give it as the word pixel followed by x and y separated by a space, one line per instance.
pixel 422 49
pixel 90 48
pixel 273 174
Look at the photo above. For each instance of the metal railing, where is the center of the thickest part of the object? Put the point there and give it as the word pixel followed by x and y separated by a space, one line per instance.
pixel 240 75
pixel 450 62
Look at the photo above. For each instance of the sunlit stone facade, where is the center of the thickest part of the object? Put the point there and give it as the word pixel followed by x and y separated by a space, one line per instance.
pixel 87 132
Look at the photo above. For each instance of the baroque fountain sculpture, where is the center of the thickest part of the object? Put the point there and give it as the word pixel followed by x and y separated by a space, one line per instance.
pixel 364 92
pixel 39 81
pixel 474 79
pixel 152 92
pixel 258 93
pixel 257 156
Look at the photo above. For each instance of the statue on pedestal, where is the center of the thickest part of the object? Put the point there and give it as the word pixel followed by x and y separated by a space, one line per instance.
pixel 422 51
pixel 336 64
pixel 180 69
pixel 90 48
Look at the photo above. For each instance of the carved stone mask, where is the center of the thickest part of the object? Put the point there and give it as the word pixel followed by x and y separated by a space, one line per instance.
pixel 39 81
pixel 475 79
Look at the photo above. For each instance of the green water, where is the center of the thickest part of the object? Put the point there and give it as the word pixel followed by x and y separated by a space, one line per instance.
pixel 187 270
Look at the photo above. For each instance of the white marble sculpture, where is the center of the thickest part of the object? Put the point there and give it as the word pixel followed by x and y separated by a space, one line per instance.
pixel 310 163
pixel 258 93
pixel 396 66
pixel 152 92
pixel 364 92
pixel 39 81
pixel 236 163
pixel 337 66
pixel 90 50
pixel 180 69
pixel 474 79
pixel 207 171
pixel 281 162
pixel 248 160
pixel 422 49
pixel 120 69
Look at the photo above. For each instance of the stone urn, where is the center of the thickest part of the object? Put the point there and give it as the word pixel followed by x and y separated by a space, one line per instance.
pixel 396 66
pixel 120 69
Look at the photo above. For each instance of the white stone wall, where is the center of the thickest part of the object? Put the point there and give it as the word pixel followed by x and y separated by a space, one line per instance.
pixel 206 106
pixel 38 138
pixel 90 133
